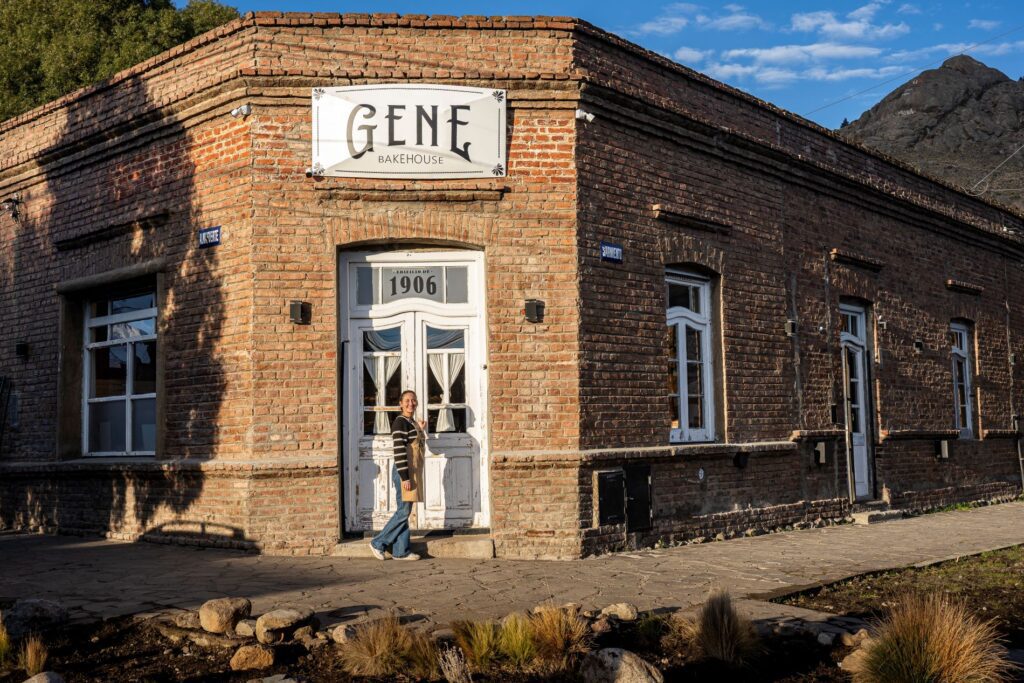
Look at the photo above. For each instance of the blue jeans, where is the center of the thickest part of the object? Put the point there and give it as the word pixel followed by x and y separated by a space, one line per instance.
pixel 396 532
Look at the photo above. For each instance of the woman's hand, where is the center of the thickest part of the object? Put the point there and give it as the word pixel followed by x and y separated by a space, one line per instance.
pixel 423 425
pixel 407 485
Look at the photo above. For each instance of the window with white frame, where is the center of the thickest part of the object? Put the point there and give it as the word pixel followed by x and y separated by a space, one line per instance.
pixel 119 383
pixel 690 374
pixel 963 406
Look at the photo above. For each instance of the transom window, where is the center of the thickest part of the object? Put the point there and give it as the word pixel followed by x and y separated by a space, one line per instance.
pixel 384 284
pixel 963 405
pixel 120 375
pixel 688 354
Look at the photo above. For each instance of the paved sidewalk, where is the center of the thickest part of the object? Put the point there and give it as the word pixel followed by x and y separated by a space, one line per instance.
pixel 103 578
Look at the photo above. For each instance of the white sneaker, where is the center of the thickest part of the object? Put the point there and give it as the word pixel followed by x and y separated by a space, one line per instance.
pixel 410 557
pixel 376 553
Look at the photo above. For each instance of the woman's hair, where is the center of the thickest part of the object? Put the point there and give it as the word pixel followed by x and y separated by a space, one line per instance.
pixel 407 391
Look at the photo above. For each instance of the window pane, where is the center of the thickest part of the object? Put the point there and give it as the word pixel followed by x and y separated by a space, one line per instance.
pixel 457 278
pixel 678 295
pixel 457 393
pixel 693 345
pixel 435 394
pixel 109 371
pixel 673 377
pixel 99 334
pixel 365 294
pixel 98 309
pixel 695 405
pixel 694 379
pixel 445 339
pixel 851 362
pixel 393 389
pixel 139 302
pixel 144 424
pixel 369 418
pixel 383 340
pixel 458 420
pixel 369 388
pixel 106 427
pixel 673 405
pixel 855 418
pixel 144 372
pixel 136 328
pixel 695 299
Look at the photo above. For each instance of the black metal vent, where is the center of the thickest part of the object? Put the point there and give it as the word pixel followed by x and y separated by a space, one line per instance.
pixel 639 511
pixel 611 497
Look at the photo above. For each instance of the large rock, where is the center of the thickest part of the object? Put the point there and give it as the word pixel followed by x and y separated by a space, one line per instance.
pixel 614 665
pixel 221 615
pixel 187 619
pixel 246 628
pixel 46 677
pixel 252 657
pixel 622 611
pixel 279 625
pixel 32 615
pixel 342 633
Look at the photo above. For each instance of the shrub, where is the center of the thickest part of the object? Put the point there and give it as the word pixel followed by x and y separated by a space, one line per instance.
pixel 478 641
pixel 649 631
pixel 721 633
pixel 33 655
pixel 377 648
pixel 561 637
pixel 422 656
pixel 453 666
pixel 928 638
pixel 5 646
pixel 515 641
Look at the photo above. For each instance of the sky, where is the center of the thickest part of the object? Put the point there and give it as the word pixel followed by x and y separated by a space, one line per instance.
pixel 827 61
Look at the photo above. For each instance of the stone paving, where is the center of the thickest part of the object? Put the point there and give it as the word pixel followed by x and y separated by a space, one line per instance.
pixel 97 578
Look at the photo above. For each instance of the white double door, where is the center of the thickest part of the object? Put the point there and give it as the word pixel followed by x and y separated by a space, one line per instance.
pixel 436 356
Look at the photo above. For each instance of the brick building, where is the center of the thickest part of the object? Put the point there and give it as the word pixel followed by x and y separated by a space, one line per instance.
pixel 747 322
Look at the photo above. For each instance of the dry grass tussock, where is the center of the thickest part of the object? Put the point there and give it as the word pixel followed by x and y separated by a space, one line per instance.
pixel 377 648
pixel 928 638
pixel 33 656
pixel 422 657
pixel 719 632
pixel 516 643
pixel 561 637
pixel 5 646
pixel 478 641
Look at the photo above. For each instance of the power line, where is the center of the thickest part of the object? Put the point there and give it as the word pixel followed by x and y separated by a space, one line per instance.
pixel 914 71
pixel 989 174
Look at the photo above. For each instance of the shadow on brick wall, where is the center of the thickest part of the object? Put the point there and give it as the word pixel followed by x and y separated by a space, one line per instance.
pixel 119 190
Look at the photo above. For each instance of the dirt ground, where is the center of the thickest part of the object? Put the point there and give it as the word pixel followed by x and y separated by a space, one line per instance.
pixel 990 584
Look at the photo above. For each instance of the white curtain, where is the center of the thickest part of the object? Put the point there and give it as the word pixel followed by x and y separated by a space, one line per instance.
pixel 381 423
pixel 445 419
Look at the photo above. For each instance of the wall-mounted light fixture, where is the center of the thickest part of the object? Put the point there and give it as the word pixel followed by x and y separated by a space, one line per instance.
pixel 791 328
pixel 300 312
pixel 21 349
pixel 882 324
pixel 942 449
pixel 918 346
pixel 741 459
pixel 584 116
pixel 242 111
pixel 11 204
pixel 534 310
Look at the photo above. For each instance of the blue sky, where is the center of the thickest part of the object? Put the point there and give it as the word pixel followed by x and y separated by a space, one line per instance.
pixel 824 60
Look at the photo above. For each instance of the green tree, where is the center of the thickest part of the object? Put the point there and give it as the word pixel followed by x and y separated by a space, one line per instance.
pixel 51 47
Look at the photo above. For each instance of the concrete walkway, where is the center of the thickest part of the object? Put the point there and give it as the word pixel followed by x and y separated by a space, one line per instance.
pixel 104 579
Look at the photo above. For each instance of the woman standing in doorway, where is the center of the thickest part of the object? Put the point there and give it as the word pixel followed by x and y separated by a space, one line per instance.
pixel 408 436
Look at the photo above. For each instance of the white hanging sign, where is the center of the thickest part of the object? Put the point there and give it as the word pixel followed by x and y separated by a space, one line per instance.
pixel 409 131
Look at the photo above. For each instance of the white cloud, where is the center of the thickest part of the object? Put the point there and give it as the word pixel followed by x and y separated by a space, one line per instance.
pixel 984 24
pixel 737 19
pixel 857 26
pixel 937 27
pixel 691 55
pixel 663 26
pixel 793 54
pixel 776 76
pixel 907 8
pixel 988 49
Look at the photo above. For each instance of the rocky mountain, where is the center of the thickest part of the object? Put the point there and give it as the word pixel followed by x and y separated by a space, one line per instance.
pixel 957 123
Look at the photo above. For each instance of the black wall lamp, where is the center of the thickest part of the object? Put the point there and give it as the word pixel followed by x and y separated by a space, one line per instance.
pixel 534 311
pixel 21 349
pixel 11 204
pixel 300 312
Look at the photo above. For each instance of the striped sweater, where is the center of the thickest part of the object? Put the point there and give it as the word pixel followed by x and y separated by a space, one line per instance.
pixel 403 433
